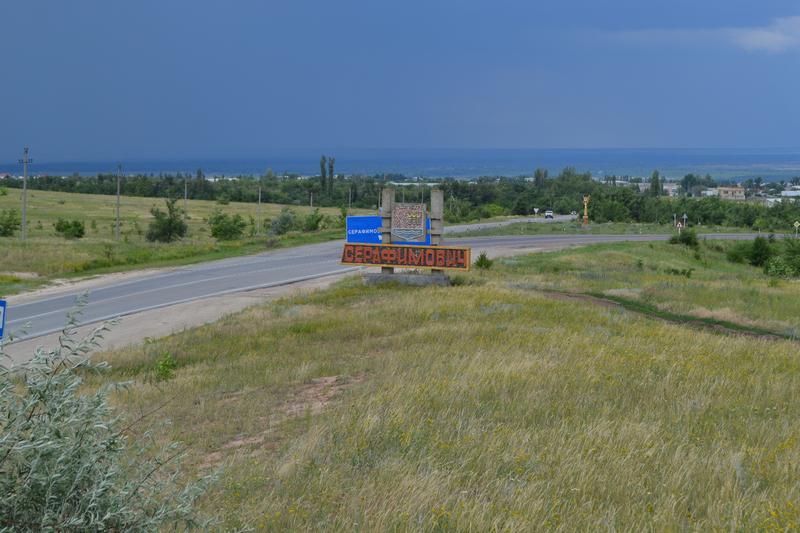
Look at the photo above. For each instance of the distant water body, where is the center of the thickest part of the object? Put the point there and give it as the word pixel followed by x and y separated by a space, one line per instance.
pixel 722 164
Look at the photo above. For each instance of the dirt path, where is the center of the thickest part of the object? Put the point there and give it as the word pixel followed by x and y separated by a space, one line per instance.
pixel 683 320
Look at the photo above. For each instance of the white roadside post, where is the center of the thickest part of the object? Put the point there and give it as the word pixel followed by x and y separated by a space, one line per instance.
pixel 796 227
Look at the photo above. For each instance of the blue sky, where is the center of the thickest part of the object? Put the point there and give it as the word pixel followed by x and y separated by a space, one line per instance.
pixel 100 80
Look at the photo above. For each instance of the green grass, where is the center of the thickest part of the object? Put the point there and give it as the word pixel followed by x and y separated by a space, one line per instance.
pixel 46 255
pixel 651 274
pixel 487 406
pixel 575 227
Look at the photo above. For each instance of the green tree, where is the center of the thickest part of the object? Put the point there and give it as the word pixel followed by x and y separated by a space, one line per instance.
pixel 655 184
pixel 167 226
pixel 540 177
pixel 322 172
pixel 331 162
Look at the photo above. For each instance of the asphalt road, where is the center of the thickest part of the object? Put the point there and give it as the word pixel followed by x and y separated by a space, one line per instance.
pixel 46 314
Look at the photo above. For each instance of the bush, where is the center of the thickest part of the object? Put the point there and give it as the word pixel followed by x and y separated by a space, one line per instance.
pixel 166 226
pixel 70 229
pixel 68 462
pixel 739 252
pixel 285 222
pixel 778 267
pixel 3 191
pixel 483 262
pixel 9 222
pixel 686 237
pixel 226 227
pixel 312 221
pixel 760 252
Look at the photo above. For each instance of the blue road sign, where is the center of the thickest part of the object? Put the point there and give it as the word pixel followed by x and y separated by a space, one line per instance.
pixel 364 230
pixel 367 230
pixel 2 317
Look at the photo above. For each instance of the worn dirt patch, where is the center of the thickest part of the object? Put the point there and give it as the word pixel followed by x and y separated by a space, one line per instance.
pixel 312 397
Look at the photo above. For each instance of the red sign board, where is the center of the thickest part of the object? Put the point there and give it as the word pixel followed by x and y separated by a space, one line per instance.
pixel 438 257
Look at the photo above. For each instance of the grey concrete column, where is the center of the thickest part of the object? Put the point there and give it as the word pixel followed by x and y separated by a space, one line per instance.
pixel 437 223
pixel 387 202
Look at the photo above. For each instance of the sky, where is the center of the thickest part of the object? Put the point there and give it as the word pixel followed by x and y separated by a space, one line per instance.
pixel 98 80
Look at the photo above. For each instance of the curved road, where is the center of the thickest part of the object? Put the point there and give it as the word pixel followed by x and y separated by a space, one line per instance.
pixel 46 313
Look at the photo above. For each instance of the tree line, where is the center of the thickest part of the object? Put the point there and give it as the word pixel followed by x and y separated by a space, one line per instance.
pixel 464 200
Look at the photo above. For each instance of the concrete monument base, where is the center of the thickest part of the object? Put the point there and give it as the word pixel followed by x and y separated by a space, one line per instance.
pixel 417 280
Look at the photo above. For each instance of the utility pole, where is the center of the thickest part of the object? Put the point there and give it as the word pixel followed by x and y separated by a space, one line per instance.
pixel 26 160
pixel 185 193
pixel 119 179
pixel 311 202
pixel 349 198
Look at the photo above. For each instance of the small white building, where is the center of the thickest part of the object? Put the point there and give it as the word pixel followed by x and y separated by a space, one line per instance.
pixel 672 189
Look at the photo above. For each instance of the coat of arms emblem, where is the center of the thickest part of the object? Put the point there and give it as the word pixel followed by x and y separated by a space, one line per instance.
pixel 408 222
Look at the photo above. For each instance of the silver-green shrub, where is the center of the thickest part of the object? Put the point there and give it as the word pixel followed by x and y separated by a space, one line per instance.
pixel 69 462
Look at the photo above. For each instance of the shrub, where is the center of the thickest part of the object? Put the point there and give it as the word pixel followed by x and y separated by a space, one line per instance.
pixel 778 267
pixel 483 262
pixel 226 227
pixel 165 367
pixel 739 252
pixel 68 462
pixel 70 229
pixel 3 191
pixel 166 226
pixel 223 199
pixel 9 222
pixel 312 220
pixel 285 222
pixel 760 252
pixel 686 237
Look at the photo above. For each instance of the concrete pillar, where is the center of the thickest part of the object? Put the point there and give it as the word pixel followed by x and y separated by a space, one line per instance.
pixel 387 202
pixel 437 223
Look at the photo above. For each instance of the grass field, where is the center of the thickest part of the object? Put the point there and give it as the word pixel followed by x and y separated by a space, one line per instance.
pixel 489 406
pixel 700 283
pixel 575 227
pixel 47 255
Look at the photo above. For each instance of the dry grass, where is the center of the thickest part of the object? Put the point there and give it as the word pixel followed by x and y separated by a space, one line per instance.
pixel 47 255
pixel 480 407
pixel 651 273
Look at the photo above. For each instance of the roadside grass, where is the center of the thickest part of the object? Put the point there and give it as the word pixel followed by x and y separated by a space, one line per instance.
pixel 46 256
pixel 486 406
pixel 574 227
pixel 676 279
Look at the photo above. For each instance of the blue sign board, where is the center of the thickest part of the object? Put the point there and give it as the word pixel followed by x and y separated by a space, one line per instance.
pixel 2 317
pixel 367 230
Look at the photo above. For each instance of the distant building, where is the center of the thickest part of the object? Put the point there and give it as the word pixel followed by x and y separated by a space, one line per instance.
pixel 672 189
pixel 790 194
pixel 731 193
pixel 710 193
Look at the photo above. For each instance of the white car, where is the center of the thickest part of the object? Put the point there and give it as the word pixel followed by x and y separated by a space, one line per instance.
pixel 548 214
